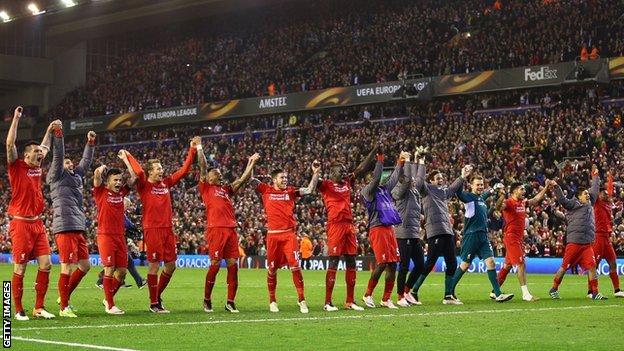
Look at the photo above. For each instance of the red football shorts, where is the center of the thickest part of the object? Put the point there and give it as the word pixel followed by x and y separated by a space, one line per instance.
pixel 113 250
pixel 341 239
pixel 384 244
pixel 581 254
pixel 514 251
pixel 28 240
pixel 222 243
pixel 282 249
pixel 160 244
pixel 603 249
pixel 72 247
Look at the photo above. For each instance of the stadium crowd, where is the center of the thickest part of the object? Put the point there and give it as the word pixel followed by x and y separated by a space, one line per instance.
pixel 566 132
pixel 320 44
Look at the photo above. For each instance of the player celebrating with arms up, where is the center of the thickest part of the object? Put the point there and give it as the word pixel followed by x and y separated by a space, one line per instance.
pixel 341 235
pixel 382 215
pixel 28 236
pixel 581 232
pixel 514 215
pixel 109 192
pixel 282 246
pixel 158 234
pixel 68 221
pixel 221 233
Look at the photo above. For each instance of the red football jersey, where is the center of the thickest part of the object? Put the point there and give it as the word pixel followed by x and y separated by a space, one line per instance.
pixel 26 193
pixel 337 199
pixel 110 210
pixel 279 206
pixel 514 216
pixel 219 209
pixel 603 217
pixel 155 197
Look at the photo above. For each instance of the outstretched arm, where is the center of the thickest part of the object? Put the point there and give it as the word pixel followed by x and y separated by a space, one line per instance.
pixel 359 171
pixel 407 182
pixel 539 197
pixel 97 176
pixel 46 142
pixel 316 170
pixel 133 165
pixel 238 183
pixel 12 136
pixel 202 162
pixel 58 154
pixel 87 154
pixel 398 169
pixel 568 204
pixel 186 167
pixel 368 192
pixel 595 187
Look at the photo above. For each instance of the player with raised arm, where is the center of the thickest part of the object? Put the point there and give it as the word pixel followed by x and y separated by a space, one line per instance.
pixel 382 215
pixel 28 236
pixel 341 235
pixel 514 216
pixel 475 241
pixel 109 192
pixel 602 246
pixel 439 231
pixel 407 200
pixel 220 232
pixel 580 233
pixel 158 236
pixel 282 246
pixel 68 220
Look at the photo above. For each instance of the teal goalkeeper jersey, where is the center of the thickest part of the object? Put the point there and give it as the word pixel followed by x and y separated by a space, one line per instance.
pixel 476 212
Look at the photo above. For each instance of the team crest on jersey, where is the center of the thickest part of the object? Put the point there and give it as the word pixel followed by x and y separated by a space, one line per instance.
pixel 34 172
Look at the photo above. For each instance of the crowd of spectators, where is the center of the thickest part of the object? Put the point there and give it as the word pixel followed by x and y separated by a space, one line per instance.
pixel 301 46
pixel 561 137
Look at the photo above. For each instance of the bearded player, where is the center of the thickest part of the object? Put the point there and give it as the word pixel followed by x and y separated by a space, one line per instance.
pixel 68 221
pixel 221 233
pixel 282 246
pixel 158 235
pixel 514 215
pixel 28 237
pixel 341 234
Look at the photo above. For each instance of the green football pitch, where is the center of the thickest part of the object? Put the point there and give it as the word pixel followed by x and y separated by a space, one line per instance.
pixel 572 323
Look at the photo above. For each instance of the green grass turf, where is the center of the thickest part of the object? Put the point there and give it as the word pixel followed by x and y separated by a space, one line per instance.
pixel 573 323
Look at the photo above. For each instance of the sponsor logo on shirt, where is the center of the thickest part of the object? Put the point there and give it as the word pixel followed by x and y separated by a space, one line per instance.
pixel 221 193
pixel 279 197
pixel 160 191
pixel 114 198
pixel 341 188
pixel 34 172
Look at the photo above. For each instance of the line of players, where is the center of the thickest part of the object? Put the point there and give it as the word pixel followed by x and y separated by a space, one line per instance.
pixel 394 209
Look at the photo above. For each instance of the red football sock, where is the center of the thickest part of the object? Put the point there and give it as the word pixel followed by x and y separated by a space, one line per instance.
pixel 163 282
pixel 502 275
pixel 556 283
pixel 116 285
pixel 152 285
pixel 74 280
pixel 615 280
pixel 298 280
pixel 109 290
pixel 330 280
pixel 63 288
pixel 372 283
pixel 272 285
pixel 209 283
pixel 388 289
pixel 41 287
pixel 232 282
pixel 18 290
pixel 350 279
pixel 594 286
pixel 406 290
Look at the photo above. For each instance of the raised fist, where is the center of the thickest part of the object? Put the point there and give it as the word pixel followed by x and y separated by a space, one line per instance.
pixel 91 136
pixel 18 112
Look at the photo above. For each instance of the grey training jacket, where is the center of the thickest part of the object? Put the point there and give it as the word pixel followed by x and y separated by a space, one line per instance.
pixel 581 227
pixel 407 201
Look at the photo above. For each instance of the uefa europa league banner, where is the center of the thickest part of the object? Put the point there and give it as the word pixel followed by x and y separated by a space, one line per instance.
pixel 514 78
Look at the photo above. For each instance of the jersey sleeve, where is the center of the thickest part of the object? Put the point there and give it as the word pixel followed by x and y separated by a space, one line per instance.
pixel 294 192
pixel 322 187
pixel 262 187
pixel 97 190
pixel 229 189
pixel 125 190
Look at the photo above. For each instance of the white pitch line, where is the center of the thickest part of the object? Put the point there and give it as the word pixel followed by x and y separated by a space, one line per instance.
pixel 305 319
pixel 88 346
